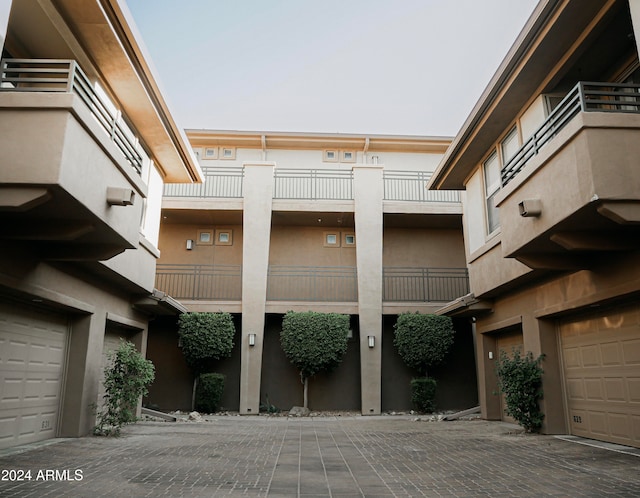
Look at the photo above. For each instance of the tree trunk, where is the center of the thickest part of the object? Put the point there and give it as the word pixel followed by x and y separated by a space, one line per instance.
pixel 193 393
pixel 306 393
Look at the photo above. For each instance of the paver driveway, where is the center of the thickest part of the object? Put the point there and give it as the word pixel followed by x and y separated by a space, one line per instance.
pixel 349 456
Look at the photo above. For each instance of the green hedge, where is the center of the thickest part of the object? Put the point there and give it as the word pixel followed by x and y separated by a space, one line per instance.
pixel 205 337
pixel 209 392
pixel 423 393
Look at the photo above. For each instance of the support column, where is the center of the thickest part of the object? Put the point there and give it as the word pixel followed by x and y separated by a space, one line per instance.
pixel 368 194
pixel 82 374
pixel 256 232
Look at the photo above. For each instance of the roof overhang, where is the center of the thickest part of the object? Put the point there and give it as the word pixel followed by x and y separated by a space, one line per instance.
pixel 548 40
pixel 159 303
pixel 466 306
pixel 107 34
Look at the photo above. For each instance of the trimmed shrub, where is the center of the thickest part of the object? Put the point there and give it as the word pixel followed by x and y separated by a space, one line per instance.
pixel 209 392
pixel 423 341
pixel 205 337
pixel 520 379
pixel 126 378
pixel 423 393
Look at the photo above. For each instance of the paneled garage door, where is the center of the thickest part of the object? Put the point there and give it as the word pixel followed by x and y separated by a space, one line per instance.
pixel 601 357
pixel 32 357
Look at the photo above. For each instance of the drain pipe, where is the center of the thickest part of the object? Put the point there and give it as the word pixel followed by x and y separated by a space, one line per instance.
pixel 364 151
pixel 263 139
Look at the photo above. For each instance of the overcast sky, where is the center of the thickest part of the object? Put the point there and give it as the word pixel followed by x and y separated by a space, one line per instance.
pixel 409 67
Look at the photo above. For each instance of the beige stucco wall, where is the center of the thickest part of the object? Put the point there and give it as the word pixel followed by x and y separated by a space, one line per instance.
pixel 304 246
pixel 435 248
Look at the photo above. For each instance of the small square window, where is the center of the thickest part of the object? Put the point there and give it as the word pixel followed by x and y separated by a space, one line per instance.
pixel 211 153
pixel 330 156
pixel 205 237
pixel 348 156
pixel 349 239
pixel 331 239
pixel 224 237
pixel 228 153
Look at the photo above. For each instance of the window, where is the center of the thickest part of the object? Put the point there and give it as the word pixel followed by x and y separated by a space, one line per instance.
pixel 205 237
pixel 348 156
pixel 492 186
pixel 211 153
pixel 331 156
pixel 224 237
pixel 348 239
pixel 228 153
pixel 509 146
pixel 331 239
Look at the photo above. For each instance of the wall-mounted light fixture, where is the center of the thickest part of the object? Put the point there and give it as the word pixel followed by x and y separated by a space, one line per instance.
pixel 189 244
pixel 371 341
pixel 117 196
pixel 252 339
pixel 530 208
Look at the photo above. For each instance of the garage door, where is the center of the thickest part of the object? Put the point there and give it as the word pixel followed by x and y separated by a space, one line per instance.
pixel 601 361
pixel 508 343
pixel 32 358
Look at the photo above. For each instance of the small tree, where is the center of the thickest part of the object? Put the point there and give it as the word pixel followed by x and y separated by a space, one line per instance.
pixel 314 342
pixel 126 378
pixel 520 379
pixel 205 337
pixel 423 341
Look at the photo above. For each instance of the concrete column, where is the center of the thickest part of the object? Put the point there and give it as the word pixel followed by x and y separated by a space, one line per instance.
pixel 5 10
pixel 82 375
pixel 368 192
pixel 256 232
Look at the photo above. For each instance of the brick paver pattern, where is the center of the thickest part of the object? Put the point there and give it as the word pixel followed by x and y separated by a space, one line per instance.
pixel 320 457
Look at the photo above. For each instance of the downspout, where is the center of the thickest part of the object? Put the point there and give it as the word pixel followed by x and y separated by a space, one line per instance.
pixel 364 151
pixel 263 139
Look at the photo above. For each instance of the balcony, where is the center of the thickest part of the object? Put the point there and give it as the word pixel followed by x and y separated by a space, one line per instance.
pixel 70 168
pixel 200 282
pixel 424 284
pixel 218 183
pixel 412 186
pixel 572 192
pixel 312 283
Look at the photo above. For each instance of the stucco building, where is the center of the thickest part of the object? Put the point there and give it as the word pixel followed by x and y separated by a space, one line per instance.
pixel 86 143
pixel 549 161
pixel 322 222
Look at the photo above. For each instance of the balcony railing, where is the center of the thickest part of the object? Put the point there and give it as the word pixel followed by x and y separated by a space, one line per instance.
pixel 584 97
pixel 313 184
pixel 312 283
pixel 200 282
pixel 411 186
pixel 424 284
pixel 65 76
pixel 218 183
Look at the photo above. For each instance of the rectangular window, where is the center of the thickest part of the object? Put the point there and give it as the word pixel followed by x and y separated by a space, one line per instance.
pixel 228 153
pixel 211 153
pixel 330 156
pixel 224 237
pixel 331 239
pixel 509 146
pixel 205 237
pixel 492 186
pixel 348 239
pixel 348 156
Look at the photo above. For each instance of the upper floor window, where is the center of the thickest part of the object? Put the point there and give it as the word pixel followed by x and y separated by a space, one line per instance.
pixel 491 168
pixel 509 146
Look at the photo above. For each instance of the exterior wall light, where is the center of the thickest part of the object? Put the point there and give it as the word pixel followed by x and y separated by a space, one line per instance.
pixel 252 339
pixel 530 208
pixel 189 244
pixel 371 340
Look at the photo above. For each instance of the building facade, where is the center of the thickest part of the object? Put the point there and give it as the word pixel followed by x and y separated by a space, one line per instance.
pixel 549 163
pixel 87 143
pixel 320 222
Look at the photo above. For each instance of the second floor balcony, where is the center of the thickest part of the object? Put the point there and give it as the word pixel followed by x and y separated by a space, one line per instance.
pixel 571 192
pixel 311 283
pixel 70 165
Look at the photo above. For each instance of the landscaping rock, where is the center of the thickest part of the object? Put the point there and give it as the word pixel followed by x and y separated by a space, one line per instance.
pixel 195 417
pixel 299 411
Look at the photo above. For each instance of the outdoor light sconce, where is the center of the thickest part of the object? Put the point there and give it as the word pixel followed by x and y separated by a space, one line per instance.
pixel 252 339
pixel 530 208
pixel 189 244
pixel 117 196
pixel 372 341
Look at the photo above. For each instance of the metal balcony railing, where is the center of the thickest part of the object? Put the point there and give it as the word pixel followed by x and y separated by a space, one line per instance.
pixel 65 76
pixel 411 186
pixel 313 184
pixel 222 182
pixel 584 97
pixel 312 283
pixel 200 282
pixel 424 284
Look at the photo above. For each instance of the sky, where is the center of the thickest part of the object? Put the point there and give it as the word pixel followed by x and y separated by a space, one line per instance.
pixel 391 67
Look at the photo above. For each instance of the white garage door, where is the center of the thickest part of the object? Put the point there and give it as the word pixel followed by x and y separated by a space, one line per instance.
pixel 601 357
pixel 32 358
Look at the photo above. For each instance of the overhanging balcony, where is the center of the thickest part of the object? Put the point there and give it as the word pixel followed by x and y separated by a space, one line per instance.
pixel 572 192
pixel 70 184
